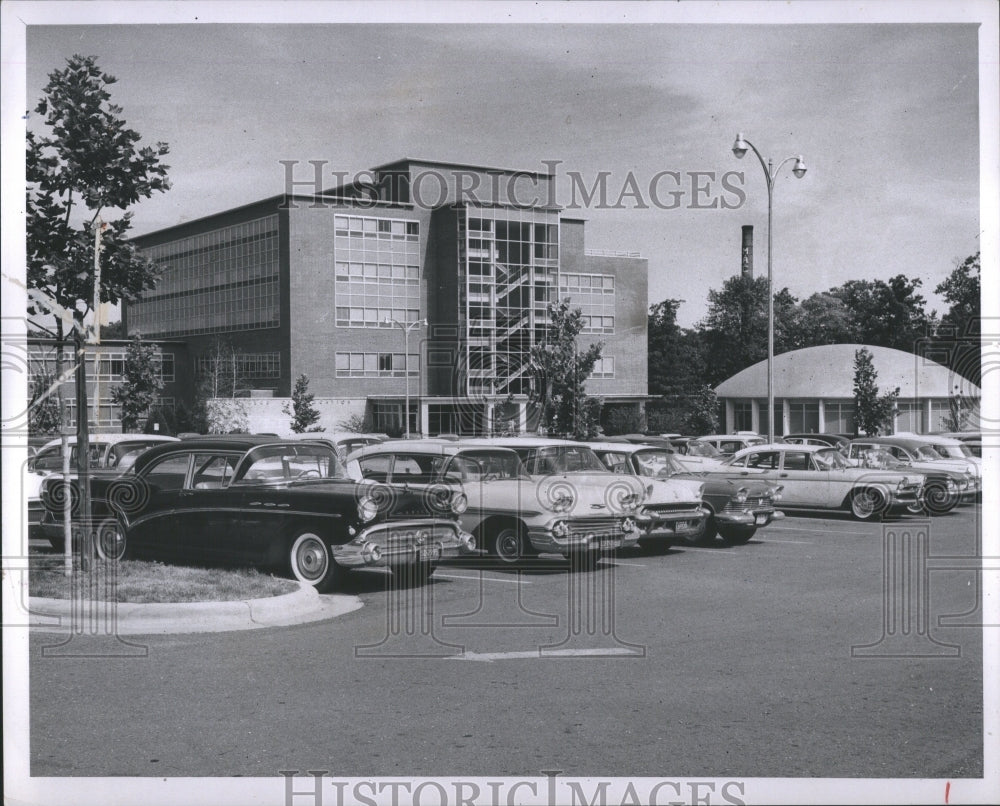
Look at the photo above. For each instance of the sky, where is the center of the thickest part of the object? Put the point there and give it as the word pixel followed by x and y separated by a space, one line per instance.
pixel 886 117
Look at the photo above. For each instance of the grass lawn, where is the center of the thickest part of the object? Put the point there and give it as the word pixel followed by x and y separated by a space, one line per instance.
pixel 139 581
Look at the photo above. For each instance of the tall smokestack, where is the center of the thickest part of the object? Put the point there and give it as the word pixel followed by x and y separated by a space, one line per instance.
pixel 746 252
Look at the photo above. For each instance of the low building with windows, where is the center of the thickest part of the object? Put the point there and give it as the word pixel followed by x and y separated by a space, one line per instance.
pixel 428 286
pixel 104 367
pixel 814 392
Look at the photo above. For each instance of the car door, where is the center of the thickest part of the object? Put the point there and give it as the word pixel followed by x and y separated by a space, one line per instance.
pixel 215 511
pixel 161 525
pixel 805 484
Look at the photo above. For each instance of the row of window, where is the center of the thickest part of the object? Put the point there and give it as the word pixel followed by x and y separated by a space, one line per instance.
pixel 382 228
pixel 106 413
pixel 376 365
pixel 374 316
pixel 247 365
pixel 110 367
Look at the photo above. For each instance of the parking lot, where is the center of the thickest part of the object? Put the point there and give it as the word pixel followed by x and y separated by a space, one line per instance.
pixel 822 648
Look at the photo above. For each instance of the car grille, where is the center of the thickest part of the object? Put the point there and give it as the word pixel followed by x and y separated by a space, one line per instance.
pixel 608 526
pixel 756 503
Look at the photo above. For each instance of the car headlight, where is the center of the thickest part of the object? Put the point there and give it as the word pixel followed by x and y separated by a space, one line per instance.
pixel 560 529
pixel 628 525
pixel 367 509
pixel 459 503
pixel 563 503
pixel 741 495
pixel 776 494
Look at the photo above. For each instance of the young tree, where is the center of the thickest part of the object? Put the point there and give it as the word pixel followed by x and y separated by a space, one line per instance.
pixel 141 384
pixel 89 164
pixel 561 373
pixel 304 415
pixel 43 413
pixel 873 412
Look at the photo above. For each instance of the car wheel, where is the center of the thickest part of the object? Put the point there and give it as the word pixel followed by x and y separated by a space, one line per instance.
pixel 509 544
pixel 937 499
pixel 311 562
pixel 738 536
pixel 705 537
pixel 111 542
pixel 867 504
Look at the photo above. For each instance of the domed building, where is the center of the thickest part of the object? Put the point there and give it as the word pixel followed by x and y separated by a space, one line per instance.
pixel 814 391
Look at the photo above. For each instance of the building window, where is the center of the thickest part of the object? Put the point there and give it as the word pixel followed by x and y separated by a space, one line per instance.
pixel 594 295
pixel 743 415
pixel 248 365
pixel 376 271
pixel 908 418
pixel 222 280
pixel 604 367
pixel 838 418
pixel 375 365
pixel 803 417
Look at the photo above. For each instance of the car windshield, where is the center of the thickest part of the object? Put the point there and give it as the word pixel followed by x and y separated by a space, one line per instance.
pixel 563 459
pixel 881 459
pixel 926 453
pixel 696 448
pixel 281 463
pixel 656 463
pixel 829 459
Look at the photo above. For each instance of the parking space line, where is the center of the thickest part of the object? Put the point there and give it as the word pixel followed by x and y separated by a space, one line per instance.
pixel 799 542
pixel 634 565
pixel 720 552
pixel 818 531
pixel 517 581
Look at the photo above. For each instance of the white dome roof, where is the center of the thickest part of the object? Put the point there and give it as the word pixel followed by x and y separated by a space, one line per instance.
pixel 827 372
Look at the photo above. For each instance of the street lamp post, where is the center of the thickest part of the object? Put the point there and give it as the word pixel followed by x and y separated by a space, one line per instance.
pixel 740 147
pixel 406 328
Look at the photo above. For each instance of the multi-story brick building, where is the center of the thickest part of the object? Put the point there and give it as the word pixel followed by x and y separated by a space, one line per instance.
pixel 325 284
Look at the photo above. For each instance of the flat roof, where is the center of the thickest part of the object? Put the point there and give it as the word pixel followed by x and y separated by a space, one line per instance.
pixel 461 165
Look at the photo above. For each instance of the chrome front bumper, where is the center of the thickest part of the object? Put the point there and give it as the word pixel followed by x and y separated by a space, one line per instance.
pixel 403 543
pixel 621 533
pixel 676 523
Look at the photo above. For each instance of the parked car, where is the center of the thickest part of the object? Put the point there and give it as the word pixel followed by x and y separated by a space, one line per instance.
pixel 106 453
pixel 817 478
pixel 694 454
pixel 949 448
pixel 974 439
pixel 729 444
pixel 735 509
pixel 512 515
pixel 921 455
pixel 341 442
pixel 943 489
pixel 673 511
pixel 831 440
pixel 255 500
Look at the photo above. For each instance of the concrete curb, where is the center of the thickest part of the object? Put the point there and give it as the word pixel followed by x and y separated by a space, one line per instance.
pixel 86 616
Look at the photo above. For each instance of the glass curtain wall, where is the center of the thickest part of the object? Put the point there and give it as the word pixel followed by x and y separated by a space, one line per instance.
pixel 508 270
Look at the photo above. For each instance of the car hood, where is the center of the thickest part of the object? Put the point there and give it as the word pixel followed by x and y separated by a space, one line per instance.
pixel 592 493
pixel 674 490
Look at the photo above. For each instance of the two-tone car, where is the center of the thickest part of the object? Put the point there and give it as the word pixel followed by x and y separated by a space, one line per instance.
pixel 256 500
pixel 666 512
pixel 943 489
pixel 511 514
pixel 735 509
pixel 821 478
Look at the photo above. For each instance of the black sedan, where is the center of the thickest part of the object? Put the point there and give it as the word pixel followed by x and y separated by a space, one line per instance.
pixel 259 501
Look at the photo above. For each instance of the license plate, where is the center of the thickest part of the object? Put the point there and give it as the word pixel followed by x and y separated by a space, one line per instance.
pixel 760 520
pixel 430 553
pixel 607 543
pixel 680 526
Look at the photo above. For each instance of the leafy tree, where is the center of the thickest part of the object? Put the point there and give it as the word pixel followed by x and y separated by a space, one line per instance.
pixel 873 412
pixel 113 330
pixel 87 164
pixel 141 384
pixel 43 413
pixel 961 324
pixel 888 314
pixel 356 424
pixel 822 318
pixel 676 356
pixel 304 415
pixel 702 412
pixel 735 327
pixel 561 372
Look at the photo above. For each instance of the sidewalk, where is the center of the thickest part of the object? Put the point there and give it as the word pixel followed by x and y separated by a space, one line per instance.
pixel 89 617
